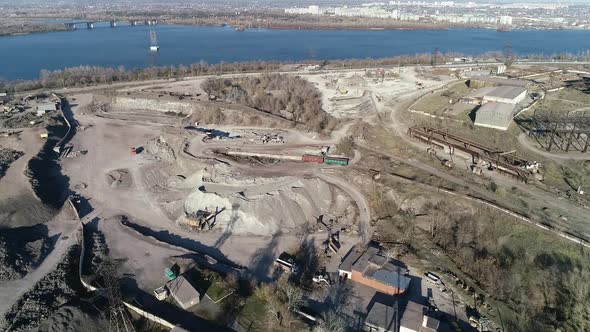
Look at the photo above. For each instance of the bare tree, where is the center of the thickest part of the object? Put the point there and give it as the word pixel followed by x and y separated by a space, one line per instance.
pixel 330 322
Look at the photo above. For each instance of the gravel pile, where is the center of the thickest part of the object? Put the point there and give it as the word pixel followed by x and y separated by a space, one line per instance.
pixel 7 157
pixel 43 300
pixel 81 317
pixel 21 250
pixel 97 250
pixel 160 149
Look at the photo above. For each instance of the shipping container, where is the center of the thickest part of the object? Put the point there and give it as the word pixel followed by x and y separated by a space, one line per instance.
pixel 336 161
pixel 313 159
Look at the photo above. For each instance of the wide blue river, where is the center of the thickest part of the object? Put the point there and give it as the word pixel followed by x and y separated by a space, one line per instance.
pixel 22 57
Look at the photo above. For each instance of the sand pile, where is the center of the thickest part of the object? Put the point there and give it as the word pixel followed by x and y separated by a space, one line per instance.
pixel 286 205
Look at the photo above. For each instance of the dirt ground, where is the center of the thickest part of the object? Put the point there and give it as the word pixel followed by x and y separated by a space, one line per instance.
pixel 149 174
pixel 353 94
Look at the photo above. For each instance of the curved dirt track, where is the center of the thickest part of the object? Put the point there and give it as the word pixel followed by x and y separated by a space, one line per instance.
pixel 525 143
pixel 396 127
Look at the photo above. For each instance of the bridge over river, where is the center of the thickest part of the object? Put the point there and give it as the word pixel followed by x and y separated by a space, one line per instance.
pixel 112 23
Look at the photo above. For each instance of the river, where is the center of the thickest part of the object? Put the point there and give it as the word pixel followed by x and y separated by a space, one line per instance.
pixel 24 56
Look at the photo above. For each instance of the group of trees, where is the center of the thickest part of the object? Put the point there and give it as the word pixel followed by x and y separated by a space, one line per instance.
pixel 92 75
pixel 543 280
pixel 270 20
pixel 16 28
pixel 289 97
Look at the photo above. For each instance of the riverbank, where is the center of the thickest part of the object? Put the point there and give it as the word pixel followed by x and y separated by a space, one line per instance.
pixel 191 48
pixel 14 29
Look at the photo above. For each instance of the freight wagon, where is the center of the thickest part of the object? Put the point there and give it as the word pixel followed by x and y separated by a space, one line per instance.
pixel 312 159
pixel 336 161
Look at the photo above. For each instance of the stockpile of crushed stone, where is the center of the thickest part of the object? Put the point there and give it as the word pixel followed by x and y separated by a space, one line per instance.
pixel 42 301
pixel 81 317
pixel 287 205
pixel 21 250
pixel 159 148
pixel 7 157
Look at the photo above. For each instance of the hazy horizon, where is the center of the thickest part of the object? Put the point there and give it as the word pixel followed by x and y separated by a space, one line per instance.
pixel 249 2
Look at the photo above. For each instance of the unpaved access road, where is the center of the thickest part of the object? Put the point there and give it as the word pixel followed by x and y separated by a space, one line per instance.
pixel 558 157
pixel 65 230
pixel 365 229
pixel 108 142
pixel 538 199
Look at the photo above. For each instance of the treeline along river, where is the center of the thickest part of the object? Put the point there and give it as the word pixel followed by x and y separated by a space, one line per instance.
pixel 24 56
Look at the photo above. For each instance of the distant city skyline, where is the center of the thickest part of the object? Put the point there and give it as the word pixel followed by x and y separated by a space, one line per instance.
pixel 278 3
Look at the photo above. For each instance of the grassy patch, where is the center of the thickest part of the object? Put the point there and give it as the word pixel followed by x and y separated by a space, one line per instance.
pixel 218 290
pixel 437 102
pixel 252 316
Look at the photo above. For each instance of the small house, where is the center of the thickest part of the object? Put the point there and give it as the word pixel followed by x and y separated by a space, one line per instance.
pixel 183 292
pixel 381 318
pixel 416 319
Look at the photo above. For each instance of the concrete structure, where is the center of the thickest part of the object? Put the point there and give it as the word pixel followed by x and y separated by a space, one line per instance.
pixel 506 94
pixel 374 12
pixel 477 82
pixel 44 108
pixel 381 318
pixel 495 115
pixel 371 269
pixel 469 73
pixel 311 10
pixel 183 292
pixel 505 20
pixel 501 94
pixel 476 97
pixel 161 293
pixel 416 319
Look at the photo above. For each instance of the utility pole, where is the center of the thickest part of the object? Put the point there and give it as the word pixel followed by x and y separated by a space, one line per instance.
pixel 119 317
pixel 434 57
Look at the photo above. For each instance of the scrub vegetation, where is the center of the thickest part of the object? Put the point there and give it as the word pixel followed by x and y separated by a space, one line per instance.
pixel 543 281
pixel 289 97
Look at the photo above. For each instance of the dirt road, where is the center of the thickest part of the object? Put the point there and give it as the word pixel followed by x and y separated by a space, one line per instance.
pixel 558 157
pixel 539 198
pixel 365 229
pixel 65 230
